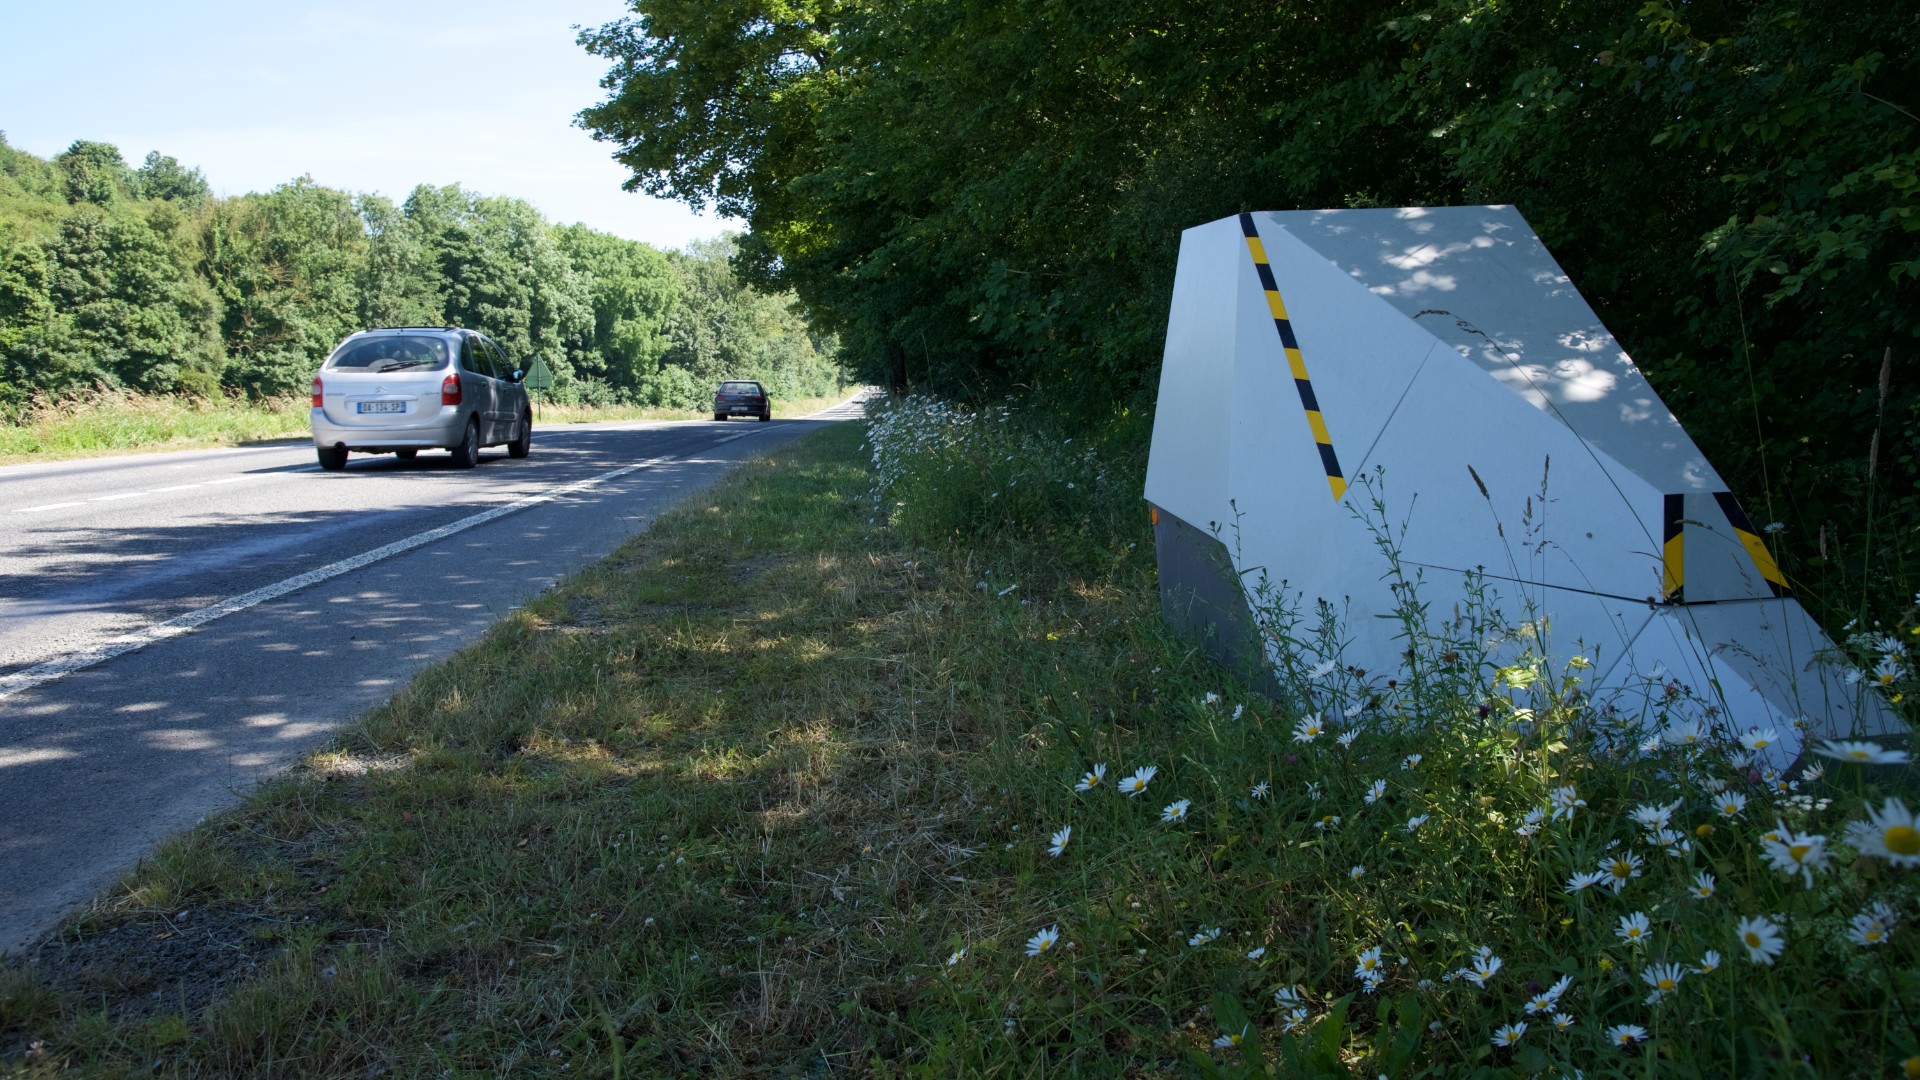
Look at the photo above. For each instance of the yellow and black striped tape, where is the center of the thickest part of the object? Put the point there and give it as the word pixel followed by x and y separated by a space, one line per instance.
pixel 1335 479
pixel 1749 539
pixel 1673 536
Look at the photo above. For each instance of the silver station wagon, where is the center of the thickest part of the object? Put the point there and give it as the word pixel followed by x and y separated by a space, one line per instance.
pixel 404 390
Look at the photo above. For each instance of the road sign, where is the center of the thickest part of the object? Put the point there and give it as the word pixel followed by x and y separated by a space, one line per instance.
pixel 539 376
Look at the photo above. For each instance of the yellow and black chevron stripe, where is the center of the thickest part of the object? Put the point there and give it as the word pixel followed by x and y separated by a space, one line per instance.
pixel 1673 538
pixel 1749 539
pixel 1335 479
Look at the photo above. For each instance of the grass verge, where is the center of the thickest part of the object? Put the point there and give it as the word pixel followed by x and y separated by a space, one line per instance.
pixel 778 791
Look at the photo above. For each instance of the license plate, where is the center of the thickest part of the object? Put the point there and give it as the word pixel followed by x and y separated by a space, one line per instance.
pixel 383 406
pixel 739 408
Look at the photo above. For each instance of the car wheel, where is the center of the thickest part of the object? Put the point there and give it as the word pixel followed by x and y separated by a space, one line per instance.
pixel 332 458
pixel 522 444
pixel 766 416
pixel 467 454
pixel 406 455
pixel 719 416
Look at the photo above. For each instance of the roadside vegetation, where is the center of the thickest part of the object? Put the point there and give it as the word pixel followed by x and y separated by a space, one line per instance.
pixel 876 759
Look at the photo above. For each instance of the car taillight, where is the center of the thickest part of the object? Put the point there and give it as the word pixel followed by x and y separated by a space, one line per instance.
pixel 316 392
pixel 450 390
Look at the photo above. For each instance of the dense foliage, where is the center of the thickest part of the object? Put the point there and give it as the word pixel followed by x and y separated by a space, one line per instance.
pixel 113 277
pixel 987 195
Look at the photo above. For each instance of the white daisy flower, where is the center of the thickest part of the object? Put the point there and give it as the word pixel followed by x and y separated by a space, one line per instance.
pixel 1634 929
pixel 1890 833
pixel 1653 817
pixel 1684 732
pixel 1346 739
pixel 1759 738
pixel 1664 978
pixel 1176 810
pixel 1042 941
pixel 1231 1039
pixel 1531 823
pixel 1730 804
pixel 1321 670
pixel 1137 783
pixel 1414 822
pixel 1579 882
pixel 1293 1019
pixel 1509 1034
pixel 1562 1021
pixel 956 956
pixel 1564 800
pixel 1059 841
pixel 1368 964
pixel 1625 1035
pixel 1411 761
pixel 1709 963
pixel 1256 953
pixel 1860 752
pixel 1261 790
pixel 1212 698
pixel 1484 965
pixel 1357 873
pixel 1376 791
pixel 1703 885
pixel 1761 936
pixel 1309 729
pixel 1202 936
pixel 1796 853
pixel 1873 926
pixel 1620 869
pixel 1288 997
pixel 1092 779
pixel 1313 790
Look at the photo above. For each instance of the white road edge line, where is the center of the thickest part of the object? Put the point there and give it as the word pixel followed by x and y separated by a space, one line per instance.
pixel 61 667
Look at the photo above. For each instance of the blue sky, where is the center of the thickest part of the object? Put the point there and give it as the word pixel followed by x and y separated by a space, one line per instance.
pixel 362 95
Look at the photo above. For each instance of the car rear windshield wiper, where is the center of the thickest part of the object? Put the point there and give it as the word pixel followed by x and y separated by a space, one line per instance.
pixel 398 364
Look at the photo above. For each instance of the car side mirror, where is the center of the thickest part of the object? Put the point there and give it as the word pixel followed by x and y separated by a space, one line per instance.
pixel 519 374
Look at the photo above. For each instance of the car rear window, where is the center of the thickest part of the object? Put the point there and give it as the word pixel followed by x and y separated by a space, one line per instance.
pixel 389 353
pixel 740 388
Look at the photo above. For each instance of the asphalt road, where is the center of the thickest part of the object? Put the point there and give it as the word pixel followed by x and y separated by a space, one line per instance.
pixel 175 627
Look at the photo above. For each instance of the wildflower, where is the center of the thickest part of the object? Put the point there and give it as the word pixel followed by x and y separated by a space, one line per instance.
pixel 1483 967
pixel 1813 772
pixel 1346 739
pixel 1671 842
pixel 1796 853
pixel 956 956
pixel 1709 963
pixel 1376 791
pixel 1256 953
pixel 1212 698
pixel 1308 729
pixel 1137 783
pixel 1860 752
pixel 1759 739
pixel 1634 929
pixel 1873 926
pixel 1563 801
pixel 1773 526
pixel 1547 999
pixel 1327 822
pixel 1042 941
pixel 1092 780
pixel 1625 1035
pixel 1703 884
pixel 1261 790
pixel 1321 670
pixel 1313 790
pixel 1891 833
pixel 1687 732
pixel 1730 804
pixel 1886 671
pixel 1357 873
pixel 1562 1021
pixel 1531 823
pixel 1410 761
pixel 1293 1018
pixel 1664 978
pixel 1416 821
pixel 1060 841
pixel 1176 811
pixel 1761 936
pixel 1653 817
pixel 1368 965
pixel 1202 936
pixel 1578 882
pixel 1621 869
pixel 1230 1039
pixel 1287 997
pixel 1716 785
pixel 1509 1034
pixel 1238 710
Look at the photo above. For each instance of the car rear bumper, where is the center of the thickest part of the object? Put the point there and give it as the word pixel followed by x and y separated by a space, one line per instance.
pixel 444 429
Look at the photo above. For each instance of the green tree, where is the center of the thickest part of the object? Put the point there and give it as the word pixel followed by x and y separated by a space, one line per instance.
pixel 633 292
pixel 94 172
pixel 137 315
pixel 163 177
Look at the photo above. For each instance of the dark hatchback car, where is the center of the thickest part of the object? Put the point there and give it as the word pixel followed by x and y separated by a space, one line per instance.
pixel 741 397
